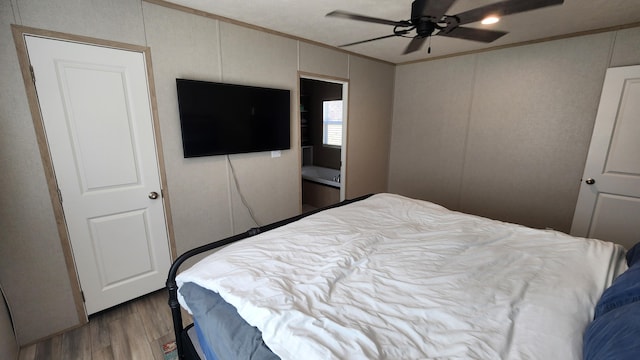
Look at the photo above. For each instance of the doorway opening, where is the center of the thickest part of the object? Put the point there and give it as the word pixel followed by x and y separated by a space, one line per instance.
pixel 323 119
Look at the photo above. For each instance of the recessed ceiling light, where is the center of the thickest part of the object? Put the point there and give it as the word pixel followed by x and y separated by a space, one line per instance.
pixel 490 20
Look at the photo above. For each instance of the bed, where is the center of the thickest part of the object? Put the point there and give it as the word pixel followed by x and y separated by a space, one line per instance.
pixel 389 277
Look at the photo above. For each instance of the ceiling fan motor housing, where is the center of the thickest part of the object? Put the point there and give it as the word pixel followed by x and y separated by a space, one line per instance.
pixel 417 9
pixel 425 24
pixel 425 28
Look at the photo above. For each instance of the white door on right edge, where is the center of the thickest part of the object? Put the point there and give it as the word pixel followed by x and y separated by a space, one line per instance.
pixel 608 206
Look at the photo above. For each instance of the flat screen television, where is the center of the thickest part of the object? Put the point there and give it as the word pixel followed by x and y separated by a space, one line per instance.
pixel 219 119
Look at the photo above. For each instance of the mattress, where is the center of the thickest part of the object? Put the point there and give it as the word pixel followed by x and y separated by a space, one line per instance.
pixel 390 277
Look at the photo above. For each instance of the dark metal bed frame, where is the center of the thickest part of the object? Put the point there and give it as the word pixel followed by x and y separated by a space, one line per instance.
pixel 186 349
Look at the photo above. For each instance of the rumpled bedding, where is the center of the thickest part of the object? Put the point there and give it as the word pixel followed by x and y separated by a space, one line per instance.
pixel 391 277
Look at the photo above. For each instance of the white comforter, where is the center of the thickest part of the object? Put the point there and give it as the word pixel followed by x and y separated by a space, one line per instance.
pixel 395 278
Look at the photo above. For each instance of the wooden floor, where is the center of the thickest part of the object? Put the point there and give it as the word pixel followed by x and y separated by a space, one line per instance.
pixel 134 330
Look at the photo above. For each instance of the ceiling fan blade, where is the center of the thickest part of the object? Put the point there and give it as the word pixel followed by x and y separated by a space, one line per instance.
pixel 415 44
pixel 368 40
pixel 465 33
pixel 503 8
pixel 352 16
pixel 434 9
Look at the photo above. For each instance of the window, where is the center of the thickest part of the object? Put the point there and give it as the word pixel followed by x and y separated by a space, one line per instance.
pixel 332 123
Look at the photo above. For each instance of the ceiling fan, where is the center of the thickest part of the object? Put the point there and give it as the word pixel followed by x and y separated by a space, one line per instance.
pixel 428 16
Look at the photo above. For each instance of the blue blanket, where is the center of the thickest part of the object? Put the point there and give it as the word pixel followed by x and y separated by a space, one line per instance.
pixel 615 330
pixel 223 334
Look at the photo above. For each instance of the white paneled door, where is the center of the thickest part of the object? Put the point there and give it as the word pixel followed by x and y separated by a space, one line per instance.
pixel 97 116
pixel 608 205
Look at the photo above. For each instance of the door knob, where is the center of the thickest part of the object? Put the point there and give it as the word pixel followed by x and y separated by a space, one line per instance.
pixel 590 181
pixel 153 195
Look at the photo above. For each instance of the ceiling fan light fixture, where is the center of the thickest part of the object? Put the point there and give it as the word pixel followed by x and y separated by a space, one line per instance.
pixel 491 19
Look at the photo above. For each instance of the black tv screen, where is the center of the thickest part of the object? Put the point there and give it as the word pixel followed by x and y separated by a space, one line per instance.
pixel 219 119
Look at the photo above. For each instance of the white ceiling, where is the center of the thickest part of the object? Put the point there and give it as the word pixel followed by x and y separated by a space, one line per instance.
pixel 306 19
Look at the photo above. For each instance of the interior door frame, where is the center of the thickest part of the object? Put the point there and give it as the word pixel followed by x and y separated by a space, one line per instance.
pixel 19 33
pixel 345 123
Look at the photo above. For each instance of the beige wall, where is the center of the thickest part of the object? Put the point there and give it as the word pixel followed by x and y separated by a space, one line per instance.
pixel 8 345
pixel 205 203
pixel 505 133
pixel 368 127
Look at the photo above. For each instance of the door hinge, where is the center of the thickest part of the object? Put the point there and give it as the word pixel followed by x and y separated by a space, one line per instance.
pixel 59 195
pixel 33 74
pixel 83 298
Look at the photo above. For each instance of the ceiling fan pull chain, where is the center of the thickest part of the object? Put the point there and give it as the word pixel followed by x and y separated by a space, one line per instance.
pixel 429 48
